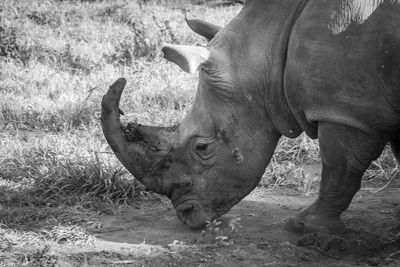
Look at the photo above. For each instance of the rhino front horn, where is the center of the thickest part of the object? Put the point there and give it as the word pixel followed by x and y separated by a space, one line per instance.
pixel 144 150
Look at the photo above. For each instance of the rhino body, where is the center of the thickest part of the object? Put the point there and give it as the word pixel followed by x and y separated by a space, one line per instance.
pixel 280 67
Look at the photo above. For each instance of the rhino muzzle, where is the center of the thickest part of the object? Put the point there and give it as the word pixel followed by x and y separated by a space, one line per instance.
pixel 145 151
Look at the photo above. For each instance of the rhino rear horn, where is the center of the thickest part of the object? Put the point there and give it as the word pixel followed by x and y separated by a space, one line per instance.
pixel 188 58
pixel 203 28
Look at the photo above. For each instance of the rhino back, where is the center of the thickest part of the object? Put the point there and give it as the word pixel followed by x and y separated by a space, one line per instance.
pixel 343 65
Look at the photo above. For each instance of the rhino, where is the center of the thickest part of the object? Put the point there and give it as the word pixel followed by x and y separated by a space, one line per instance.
pixel 328 68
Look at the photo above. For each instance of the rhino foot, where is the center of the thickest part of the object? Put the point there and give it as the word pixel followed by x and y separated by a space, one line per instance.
pixel 315 223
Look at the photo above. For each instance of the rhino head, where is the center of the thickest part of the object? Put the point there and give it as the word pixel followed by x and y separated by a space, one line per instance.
pixel 219 152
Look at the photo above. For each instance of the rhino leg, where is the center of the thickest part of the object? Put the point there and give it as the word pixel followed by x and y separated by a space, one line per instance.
pixel 346 153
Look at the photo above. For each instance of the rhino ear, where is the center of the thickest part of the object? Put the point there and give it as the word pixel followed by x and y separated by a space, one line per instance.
pixel 188 58
pixel 203 28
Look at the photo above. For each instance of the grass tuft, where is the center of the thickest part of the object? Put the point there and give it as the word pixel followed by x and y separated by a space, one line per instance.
pixel 55 172
pixel 47 17
pixel 69 234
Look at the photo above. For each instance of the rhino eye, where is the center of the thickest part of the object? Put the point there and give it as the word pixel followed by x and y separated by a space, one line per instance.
pixel 204 147
pixel 203 151
pixel 201 147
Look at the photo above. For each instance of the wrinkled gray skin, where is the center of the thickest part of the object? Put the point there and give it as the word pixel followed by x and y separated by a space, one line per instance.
pixel 281 67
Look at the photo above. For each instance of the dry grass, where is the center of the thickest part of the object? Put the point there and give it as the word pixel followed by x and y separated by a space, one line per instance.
pixel 57 58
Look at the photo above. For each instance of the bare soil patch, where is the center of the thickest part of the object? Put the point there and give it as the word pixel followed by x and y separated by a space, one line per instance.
pixel 371 238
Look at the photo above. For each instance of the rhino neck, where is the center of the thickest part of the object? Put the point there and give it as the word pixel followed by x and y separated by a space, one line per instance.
pixel 274 21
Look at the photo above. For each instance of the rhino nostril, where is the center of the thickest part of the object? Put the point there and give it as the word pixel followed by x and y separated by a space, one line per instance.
pixel 184 211
pixel 187 212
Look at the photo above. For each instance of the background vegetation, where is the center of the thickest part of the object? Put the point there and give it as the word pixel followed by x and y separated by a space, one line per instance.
pixel 57 58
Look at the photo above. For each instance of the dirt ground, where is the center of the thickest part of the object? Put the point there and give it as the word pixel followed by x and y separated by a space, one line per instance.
pixel 251 234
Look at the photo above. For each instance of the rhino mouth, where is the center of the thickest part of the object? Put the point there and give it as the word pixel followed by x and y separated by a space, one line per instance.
pixel 195 214
pixel 192 214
